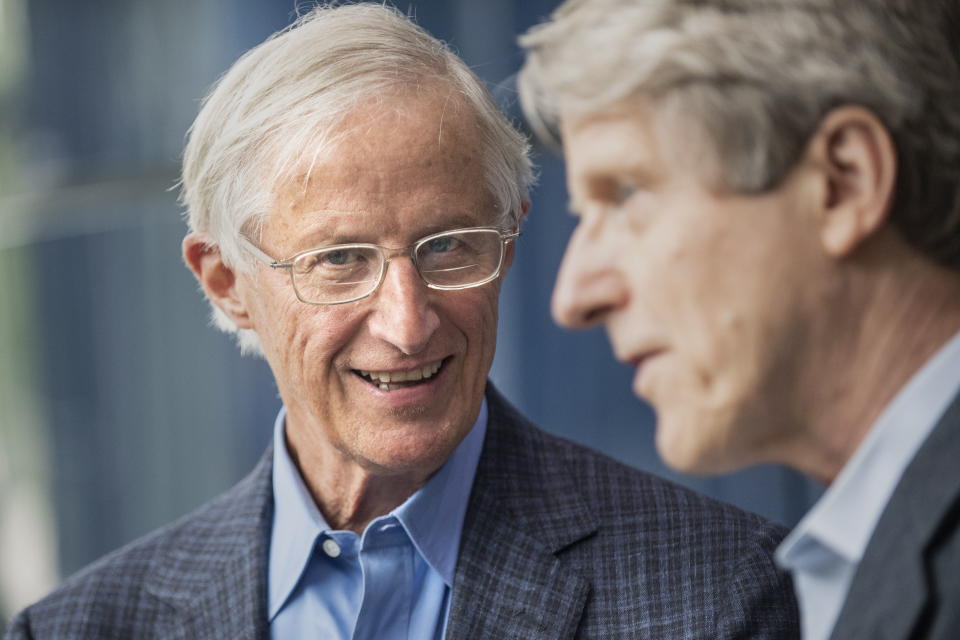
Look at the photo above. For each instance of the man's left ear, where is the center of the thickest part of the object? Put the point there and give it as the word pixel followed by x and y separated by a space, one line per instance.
pixel 859 163
pixel 512 247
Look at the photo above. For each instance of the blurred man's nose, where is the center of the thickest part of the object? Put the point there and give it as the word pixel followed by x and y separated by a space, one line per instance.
pixel 404 316
pixel 589 286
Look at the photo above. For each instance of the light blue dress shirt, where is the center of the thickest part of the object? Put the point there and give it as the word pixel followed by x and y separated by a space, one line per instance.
pixel 393 582
pixel 826 547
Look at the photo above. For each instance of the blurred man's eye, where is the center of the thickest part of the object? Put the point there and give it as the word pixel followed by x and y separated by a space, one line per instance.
pixel 624 192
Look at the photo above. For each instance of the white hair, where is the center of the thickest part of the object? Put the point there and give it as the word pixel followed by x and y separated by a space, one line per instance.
pixel 757 76
pixel 278 108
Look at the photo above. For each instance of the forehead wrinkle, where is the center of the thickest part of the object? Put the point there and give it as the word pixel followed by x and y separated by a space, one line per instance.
pixel 337 227
pixel 370 173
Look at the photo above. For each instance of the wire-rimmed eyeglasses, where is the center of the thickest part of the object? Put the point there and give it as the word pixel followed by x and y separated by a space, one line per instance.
pixel 450 260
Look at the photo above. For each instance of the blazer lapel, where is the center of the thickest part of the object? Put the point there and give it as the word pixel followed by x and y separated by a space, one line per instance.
pixel 889 592
pixel 214 572
pixel 524 511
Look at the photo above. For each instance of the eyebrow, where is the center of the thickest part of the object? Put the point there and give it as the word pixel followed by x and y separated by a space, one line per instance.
pixel 327 237
pixel 458 221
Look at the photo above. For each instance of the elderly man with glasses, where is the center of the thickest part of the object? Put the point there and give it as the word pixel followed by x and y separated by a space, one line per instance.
pixel 354 200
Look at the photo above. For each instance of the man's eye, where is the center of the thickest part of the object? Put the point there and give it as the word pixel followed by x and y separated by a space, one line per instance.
pixel 624 192
pixel 612 192
pixel 339 258
pixel 442 245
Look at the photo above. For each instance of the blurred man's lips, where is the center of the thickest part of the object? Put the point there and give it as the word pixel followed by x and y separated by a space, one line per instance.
pixel 637 358
pixel 402 378
pixel 639 361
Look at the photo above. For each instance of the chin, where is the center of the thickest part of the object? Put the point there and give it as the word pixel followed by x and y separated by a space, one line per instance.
pixel 410 454
pixel 691 447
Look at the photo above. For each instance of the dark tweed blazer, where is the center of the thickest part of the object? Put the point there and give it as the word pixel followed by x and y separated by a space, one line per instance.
pixel 559 542
pixel 908 583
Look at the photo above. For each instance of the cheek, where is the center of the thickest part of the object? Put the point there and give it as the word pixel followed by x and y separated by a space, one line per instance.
pixel 688 278
pixel 301 341
pixel 474 317
pixel 276 321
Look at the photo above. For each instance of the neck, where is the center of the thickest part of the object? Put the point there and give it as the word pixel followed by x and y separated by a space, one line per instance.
pixel 888 320
pixel 348 494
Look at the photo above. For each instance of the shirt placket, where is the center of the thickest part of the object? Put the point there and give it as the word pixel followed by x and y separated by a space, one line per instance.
pixel 386 559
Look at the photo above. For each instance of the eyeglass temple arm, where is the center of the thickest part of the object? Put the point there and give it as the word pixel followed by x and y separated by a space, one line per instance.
pixel 262 256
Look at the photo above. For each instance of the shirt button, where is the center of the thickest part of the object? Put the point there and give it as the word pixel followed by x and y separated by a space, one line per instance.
pixel 331 548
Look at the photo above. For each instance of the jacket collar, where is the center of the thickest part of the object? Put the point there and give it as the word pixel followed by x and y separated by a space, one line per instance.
pixel 525 510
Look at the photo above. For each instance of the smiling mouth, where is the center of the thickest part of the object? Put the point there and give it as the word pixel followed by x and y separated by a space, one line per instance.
pixel 393 380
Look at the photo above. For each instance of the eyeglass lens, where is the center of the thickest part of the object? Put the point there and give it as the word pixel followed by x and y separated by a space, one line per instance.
pixel 456 259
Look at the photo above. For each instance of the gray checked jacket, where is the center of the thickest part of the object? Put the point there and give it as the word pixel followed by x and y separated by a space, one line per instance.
pixel 558 542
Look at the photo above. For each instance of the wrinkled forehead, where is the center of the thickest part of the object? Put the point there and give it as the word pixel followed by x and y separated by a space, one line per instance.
pixel 417 154
pixel 420 129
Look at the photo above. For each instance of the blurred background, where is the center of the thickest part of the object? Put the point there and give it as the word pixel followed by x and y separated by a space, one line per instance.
pixel 120 408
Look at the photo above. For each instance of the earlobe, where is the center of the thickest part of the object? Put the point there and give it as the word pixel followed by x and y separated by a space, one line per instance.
pixel 859 164
pixel 219 281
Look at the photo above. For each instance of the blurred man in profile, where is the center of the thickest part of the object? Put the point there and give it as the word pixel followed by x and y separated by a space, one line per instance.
pixel 354 197
pixel 769 230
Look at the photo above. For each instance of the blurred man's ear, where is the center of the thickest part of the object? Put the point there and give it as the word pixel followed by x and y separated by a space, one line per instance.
pixel 219 282
pixel 858 161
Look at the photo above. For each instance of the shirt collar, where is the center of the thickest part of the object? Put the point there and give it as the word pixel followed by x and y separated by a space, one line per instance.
pixel 844 518
pixel 296 522
pixel 432 517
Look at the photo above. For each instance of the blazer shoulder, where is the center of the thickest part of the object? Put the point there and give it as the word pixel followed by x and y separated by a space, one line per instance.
pixel 632 498
pixel 104 599
pixel 126 593
pixel 658 557
pixel 620 494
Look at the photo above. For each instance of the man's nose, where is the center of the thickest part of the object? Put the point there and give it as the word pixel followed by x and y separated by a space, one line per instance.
pixel 404 316
pixel 589 285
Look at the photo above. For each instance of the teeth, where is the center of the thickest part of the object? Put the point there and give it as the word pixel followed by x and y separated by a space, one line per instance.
pixel 384 378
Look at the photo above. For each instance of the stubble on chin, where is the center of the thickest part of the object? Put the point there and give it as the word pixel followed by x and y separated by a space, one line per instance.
pixel 407 413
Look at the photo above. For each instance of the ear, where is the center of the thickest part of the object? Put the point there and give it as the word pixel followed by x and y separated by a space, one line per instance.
pixel 859 164
pixel 511 247
pixel 219 282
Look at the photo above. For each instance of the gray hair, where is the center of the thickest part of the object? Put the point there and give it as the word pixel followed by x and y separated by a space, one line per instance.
pixel 759 75
pixel 279 106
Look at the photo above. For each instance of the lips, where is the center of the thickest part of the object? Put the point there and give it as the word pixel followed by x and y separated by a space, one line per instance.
pixel 401 378
pixel 636 357
pixel 641 365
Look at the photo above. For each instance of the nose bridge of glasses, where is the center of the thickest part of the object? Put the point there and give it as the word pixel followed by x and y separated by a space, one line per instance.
pixel 389 254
